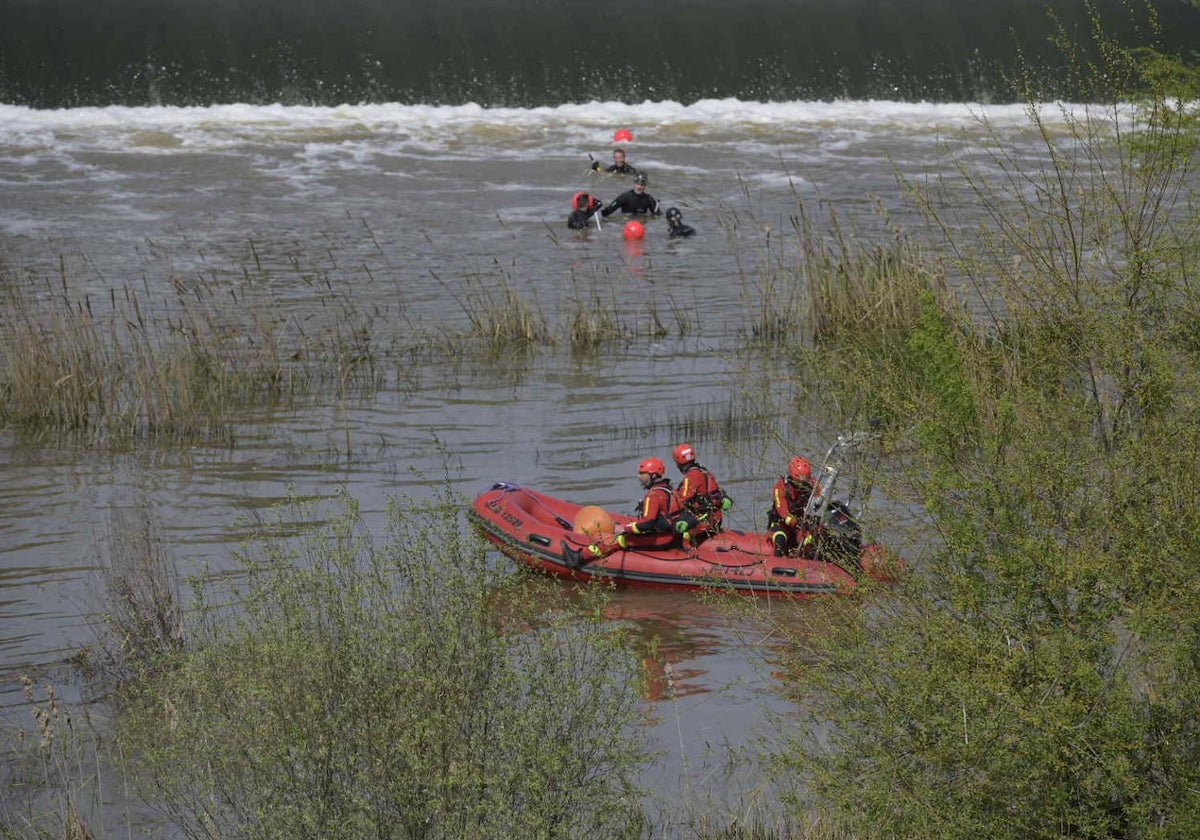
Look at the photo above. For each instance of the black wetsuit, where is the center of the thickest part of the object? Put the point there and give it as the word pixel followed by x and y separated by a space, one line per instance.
pixel 579 218
pixel 632 202
pixel 622 169
pixel 681 230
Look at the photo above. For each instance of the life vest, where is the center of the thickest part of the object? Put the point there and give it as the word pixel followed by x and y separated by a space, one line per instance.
pixel 789 499
pixel 669 504
pixel 659 521
pixel 707 499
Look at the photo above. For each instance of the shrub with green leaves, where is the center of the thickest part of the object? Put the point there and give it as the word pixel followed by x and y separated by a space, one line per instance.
pixel 407 688
pixel 1037 675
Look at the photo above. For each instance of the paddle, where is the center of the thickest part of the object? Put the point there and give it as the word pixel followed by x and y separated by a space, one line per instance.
pixel 562 522
pixel 509 487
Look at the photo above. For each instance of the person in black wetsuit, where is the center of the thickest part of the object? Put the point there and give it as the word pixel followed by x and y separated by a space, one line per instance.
pixel 636 200
pixel 675 225
pixel 585 206
pixel 619 165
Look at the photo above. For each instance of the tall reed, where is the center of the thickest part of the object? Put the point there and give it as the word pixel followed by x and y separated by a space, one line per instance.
pixel 142 623
pixel 868 294
pixel 593 320
pixel 53 781
pixel 119 369
pixel 503 318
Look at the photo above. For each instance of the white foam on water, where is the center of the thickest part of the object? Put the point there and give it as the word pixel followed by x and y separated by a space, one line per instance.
pixel 219 126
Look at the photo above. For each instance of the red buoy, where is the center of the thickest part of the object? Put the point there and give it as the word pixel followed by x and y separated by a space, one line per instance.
pixel 634 230
pixel 622 135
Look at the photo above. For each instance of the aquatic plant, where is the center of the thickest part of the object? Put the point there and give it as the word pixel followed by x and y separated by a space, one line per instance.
pixel 862 294
pixel 501 317
pixel 51 775
pixel 593 320
pixel 119 368
pixel 140 623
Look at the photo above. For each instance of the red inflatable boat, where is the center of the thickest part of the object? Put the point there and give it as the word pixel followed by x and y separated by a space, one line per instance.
pixel 531 527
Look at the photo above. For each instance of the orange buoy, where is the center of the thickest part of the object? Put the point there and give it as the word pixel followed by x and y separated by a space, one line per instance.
pixel 594 521
pixel 634 230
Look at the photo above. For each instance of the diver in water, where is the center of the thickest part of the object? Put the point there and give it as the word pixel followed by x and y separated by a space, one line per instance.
pixel 584 206
pixel 619 165
pixel 675 225
pixel 636 200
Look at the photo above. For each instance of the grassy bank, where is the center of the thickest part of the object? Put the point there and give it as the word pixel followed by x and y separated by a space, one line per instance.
pixel 353 684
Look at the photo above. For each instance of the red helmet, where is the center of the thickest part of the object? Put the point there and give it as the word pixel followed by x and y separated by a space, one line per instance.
pixel 654 466
pixel 684 454
pixel 799 469
pixel 581 201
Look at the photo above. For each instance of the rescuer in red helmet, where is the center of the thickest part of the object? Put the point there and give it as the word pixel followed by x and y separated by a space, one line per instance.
pixel 785 519
pixel 700 498
pixel 653 527
pixel 583 207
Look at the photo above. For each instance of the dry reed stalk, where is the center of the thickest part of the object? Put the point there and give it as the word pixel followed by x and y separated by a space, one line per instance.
pixel 864 293
pixel 122 370
pixel 593 321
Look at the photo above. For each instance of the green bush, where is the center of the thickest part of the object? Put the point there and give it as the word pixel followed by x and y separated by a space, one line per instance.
pixel 1037 676
pixel 408 689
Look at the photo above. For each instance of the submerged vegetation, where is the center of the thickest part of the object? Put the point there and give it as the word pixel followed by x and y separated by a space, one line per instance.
pixel 185 367
pixel 125 368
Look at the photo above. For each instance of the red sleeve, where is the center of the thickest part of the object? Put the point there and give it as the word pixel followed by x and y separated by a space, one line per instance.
pixel 781 499
pixel 657 506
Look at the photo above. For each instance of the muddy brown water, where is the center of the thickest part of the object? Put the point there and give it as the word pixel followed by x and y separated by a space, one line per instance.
pixel 407 214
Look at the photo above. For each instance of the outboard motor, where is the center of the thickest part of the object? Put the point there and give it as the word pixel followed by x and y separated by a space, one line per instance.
pixel 840 539
pixel 840 536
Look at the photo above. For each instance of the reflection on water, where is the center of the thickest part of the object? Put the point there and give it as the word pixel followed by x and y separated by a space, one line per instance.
pixel 535 52
pixel 710 701
pixel 678 632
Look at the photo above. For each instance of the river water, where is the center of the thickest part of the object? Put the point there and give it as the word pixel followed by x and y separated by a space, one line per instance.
pixel 410 213
pixel 186 154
